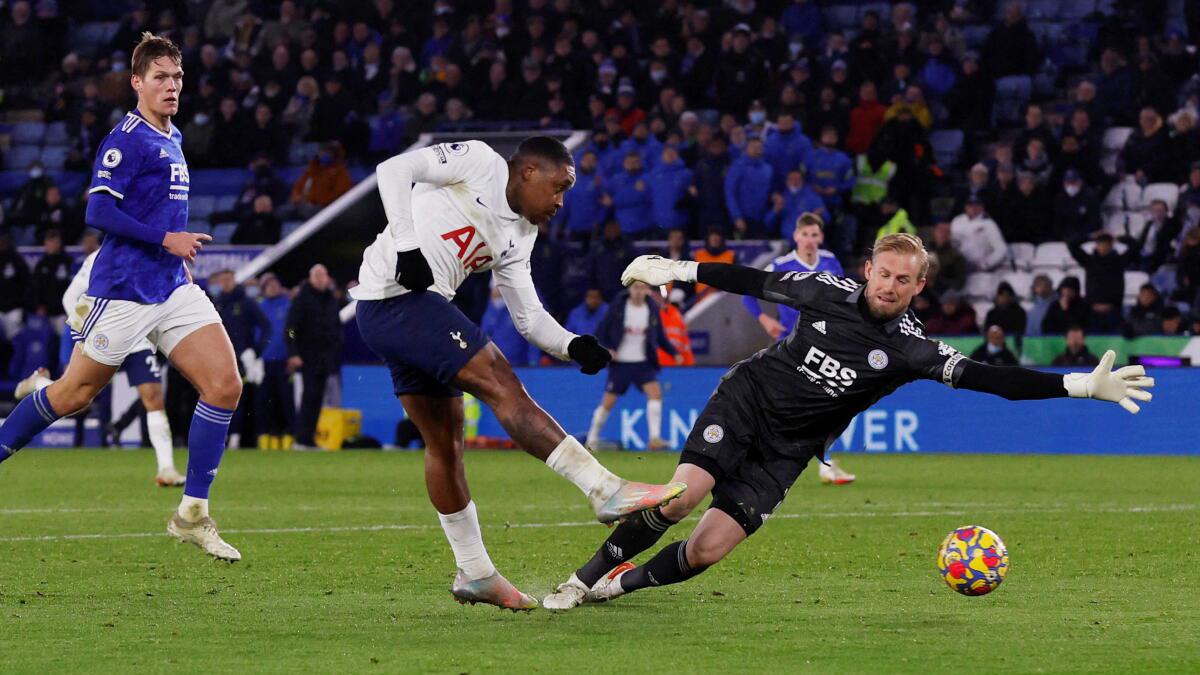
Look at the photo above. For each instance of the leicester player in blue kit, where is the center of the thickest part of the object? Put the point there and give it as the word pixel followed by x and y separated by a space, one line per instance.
pixel 809 234
pixel 140 289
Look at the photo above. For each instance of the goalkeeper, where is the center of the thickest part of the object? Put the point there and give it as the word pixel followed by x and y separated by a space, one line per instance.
pixel 777 409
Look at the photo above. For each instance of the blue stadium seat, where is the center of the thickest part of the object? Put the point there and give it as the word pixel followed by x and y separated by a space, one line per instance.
pixel 1012 93
pixel 23 235
pixel 975 35
pixel 1042 9
pixel 201 206
pixel 218 181
pixel 1077 9
pixel 1049 32
pixel 225 203
pixel 300 153
pixel 28 133
pixel 290 227
pixel 21 156
pixel 54 157
pixel 222 234
pixel 56 134
pixel 883 9
pixel 947 146
pixel 841 16
pixel 198 226
pixel 89 38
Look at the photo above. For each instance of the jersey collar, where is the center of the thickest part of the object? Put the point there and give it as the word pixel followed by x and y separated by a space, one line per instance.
pixel 890 326
pixel 138 114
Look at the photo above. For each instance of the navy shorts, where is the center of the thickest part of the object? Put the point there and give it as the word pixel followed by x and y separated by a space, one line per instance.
pixel 621 375
pixel 142 368
pixel 424 340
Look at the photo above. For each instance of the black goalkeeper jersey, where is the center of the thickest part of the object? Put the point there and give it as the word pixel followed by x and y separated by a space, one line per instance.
pixel 837 362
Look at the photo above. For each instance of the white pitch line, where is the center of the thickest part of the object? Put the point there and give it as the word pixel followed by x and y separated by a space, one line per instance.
pixel 529 526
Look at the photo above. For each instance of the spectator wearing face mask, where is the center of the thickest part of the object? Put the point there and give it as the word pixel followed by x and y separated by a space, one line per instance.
pixel 1076 211
pixel 325 179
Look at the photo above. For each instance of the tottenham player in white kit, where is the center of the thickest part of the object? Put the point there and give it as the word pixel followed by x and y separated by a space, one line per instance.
pixel 141 367
pixel 140 289
pixel 472 211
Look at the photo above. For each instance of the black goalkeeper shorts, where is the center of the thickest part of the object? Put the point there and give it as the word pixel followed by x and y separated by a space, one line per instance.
pixel 752 476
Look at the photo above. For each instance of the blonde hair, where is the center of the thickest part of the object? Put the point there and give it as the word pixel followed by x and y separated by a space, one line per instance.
pixel 903 243
pixel 150 48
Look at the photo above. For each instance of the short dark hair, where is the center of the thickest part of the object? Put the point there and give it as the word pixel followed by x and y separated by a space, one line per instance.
pixel 150 48
pixel 543 149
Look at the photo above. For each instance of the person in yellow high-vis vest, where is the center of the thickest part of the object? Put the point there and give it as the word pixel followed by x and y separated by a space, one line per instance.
pixel 874 173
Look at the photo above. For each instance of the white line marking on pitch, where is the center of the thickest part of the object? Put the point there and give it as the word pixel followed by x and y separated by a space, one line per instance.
pixel 527 526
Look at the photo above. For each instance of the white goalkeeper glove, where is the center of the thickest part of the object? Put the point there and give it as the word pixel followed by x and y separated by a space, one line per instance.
pixel 659 271
pixel 1104 384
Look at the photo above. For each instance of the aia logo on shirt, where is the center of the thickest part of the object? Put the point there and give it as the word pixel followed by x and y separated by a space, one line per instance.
pixel 473 255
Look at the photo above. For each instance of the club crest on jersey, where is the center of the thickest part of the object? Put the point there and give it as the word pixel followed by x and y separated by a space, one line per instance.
pixel 713 433
pixel 456 335
pixel 100 342
pixel 878 359
pixel 112 157
pixel 457 149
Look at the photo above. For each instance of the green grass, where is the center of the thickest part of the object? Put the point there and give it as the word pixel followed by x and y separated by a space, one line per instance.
pixel 1103 575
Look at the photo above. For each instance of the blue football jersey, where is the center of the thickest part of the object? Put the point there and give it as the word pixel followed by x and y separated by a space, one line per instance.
pixel 144 169
pixel 826 262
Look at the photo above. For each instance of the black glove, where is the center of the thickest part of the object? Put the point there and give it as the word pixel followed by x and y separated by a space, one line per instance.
pixel 412 270
pixel 588 353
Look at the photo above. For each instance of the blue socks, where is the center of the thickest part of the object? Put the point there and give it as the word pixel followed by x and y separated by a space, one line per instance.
pixel 206 444
pixel 28 419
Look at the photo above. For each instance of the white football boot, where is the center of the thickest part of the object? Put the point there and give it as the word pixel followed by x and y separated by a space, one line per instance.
pixel 832 474
pixel 609 586
pixel 38 379
pixel 569 595
pixel 202 533
pixel 170 477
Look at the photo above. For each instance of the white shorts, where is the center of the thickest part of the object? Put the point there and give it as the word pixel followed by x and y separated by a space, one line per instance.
pixel 113 329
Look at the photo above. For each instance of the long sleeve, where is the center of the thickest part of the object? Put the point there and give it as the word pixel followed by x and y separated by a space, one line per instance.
pixel 532 320
pixel 262 327
pixel 440 165
pixel 731 197
pixel 103 214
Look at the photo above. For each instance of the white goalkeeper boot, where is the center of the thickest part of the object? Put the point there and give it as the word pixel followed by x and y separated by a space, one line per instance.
pixel 832 474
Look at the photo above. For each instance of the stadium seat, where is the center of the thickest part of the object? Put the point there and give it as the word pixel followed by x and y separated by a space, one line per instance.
pixel 982 307
pixel 1133 282
pixel 54 157
pixel 300 153
pixel 1012 93
pixel 199 226
pixel 974 35
pixel 981 285
pixel 56 134
pixel 90 37
pixel 1076 9
pixel 223 234
pixel 23 235
pixel 1049 32
pixel 1115 137
pixel 1123 196
pixel 1021 254
pixel 28 133
pixel 947 146
pixel 290 227
pixel 1052 255
pixel 21 156
pixel 841 16
pixel 1090 247
pixel 1168 192
pixel 201 206
pixel 883 9
pixel 1042 9
pixel 225 203
pixel 1020 281
pixel 1125 223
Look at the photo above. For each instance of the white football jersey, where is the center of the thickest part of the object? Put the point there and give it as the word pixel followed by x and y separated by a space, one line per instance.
pixel 461 219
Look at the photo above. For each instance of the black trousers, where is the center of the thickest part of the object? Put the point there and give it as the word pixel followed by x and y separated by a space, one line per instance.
pixel 310 405
pixel 275 404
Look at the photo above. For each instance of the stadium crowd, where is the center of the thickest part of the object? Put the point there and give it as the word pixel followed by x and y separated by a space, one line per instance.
pixel 1048 151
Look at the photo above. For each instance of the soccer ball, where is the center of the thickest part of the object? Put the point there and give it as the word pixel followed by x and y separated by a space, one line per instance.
pixel 972 560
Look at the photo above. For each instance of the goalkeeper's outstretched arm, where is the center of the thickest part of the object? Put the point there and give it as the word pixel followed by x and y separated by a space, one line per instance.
pixel 657 271
pixel 1123 386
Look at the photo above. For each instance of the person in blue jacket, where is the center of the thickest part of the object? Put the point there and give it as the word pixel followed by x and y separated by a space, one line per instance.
pixel 275 402
pixel 671 191
pixel 585 205
pixel 785 148
pixel 786 207
pixel 644 144
pixel 808 256
pixel 830 171
pixel 748 191
pixel 498 324
pixel 630 193
pixel 585 318
pixel 608 155
pixel 632 330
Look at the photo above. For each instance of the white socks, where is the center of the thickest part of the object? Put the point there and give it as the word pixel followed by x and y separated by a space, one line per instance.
pixel 599 417
pixel 573 462
pixel 192 509
pixel 160 438
pixel 654 418
pixel 462 530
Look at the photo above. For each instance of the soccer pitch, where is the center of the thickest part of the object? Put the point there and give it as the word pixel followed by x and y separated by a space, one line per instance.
pixel 346 570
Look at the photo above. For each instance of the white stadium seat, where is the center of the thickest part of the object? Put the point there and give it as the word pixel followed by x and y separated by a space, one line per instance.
pixel 1020 281
pixel 1115 137
pixel 1022 254
pixel 981 285
pixel 1052 255
pixel 1168 192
